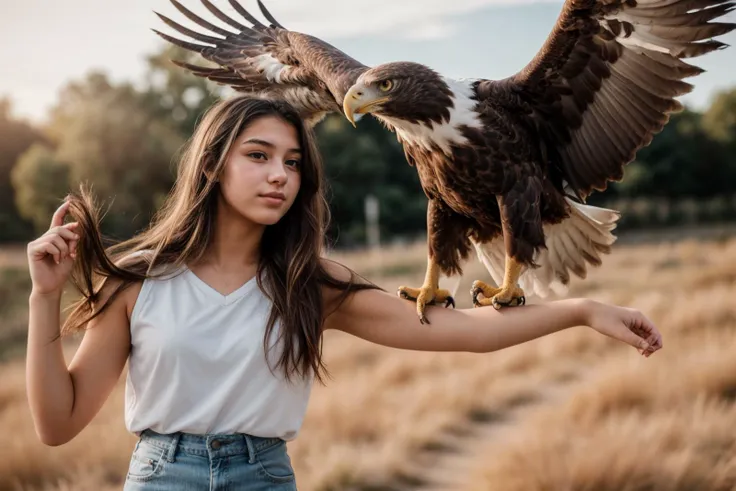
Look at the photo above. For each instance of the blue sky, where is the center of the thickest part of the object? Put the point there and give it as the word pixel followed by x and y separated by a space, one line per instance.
pixel 45 44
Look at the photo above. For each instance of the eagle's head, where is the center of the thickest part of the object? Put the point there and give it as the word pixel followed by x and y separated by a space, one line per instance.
pixel 400 92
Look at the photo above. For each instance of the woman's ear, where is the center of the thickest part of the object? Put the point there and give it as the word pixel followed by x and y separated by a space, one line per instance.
pixel 211 176
pixel 209 165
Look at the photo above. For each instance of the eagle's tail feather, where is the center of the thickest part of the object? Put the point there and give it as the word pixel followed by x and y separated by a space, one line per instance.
pixel 572 245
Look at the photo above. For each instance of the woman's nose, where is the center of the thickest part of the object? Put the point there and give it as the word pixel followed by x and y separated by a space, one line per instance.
pixel 278 173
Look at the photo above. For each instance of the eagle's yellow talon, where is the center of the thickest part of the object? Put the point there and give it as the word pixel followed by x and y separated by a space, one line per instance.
pixel 487 291
pixel 497 297
pixel 514 302
pixel 426 296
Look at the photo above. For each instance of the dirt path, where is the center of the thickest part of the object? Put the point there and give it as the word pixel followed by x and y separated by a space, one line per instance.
pixel 445 464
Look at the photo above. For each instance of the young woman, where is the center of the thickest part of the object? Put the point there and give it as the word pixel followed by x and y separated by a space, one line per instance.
pixel 219 309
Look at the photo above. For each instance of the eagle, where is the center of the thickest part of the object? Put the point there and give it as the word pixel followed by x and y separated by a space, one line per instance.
pixel 507 165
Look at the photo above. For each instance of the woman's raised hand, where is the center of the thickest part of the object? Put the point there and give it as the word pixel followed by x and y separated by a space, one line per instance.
pixel 51 256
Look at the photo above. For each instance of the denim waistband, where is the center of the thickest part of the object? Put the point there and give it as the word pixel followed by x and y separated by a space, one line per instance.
pixel 210 445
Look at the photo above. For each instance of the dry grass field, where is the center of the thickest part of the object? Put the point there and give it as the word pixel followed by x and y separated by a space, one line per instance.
pixel 574 411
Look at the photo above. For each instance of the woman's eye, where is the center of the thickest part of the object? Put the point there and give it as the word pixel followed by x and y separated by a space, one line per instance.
pixel 293 163
pixel 257 155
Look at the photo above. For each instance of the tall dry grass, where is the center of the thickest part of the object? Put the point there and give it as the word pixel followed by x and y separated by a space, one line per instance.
pixel 665 424
pixel 629 423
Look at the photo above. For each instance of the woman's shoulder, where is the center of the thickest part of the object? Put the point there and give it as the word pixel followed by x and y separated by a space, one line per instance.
pixel 132 289
pixel 345 275
pixel 343 282
pixel 148 263
pixel 127 295
pixel 130 258
pixel 335 269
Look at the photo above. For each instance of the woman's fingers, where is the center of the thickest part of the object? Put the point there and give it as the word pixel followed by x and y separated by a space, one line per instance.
pixel 73 226
pixel 64 238
pixel 59 241
pixel 64 231
pixel 646 331
pixel 649 330
pixel 630 337
pixel 57 218
pixel 40 249
pixel 60 244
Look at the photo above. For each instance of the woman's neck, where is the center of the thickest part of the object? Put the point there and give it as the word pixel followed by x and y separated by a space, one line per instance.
pixel 235 241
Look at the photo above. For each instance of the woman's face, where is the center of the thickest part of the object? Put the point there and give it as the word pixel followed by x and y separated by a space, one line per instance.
pixel 261 177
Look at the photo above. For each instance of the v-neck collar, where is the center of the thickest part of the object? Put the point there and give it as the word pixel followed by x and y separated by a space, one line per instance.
pixel 216 295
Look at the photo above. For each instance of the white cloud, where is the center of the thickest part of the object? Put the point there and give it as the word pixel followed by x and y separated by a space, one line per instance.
pixel 429 29
pixel 350 18
pixel 45 44
pixel 48 44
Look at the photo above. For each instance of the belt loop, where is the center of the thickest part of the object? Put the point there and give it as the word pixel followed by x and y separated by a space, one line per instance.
pixel 171 452
pixel 251 449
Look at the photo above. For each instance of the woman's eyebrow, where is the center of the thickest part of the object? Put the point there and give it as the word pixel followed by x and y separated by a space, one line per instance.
pixel 268 144
pixel 258 141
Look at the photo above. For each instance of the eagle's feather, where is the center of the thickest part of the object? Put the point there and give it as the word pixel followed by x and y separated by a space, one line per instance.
pixel 270 60
pixel 505 163
pixel 605 81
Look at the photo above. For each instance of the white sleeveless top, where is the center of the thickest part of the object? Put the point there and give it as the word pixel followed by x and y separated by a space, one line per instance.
pixel 197 363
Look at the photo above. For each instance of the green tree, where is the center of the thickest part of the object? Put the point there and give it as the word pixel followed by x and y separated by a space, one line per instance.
pixel 719 121
pixel 116 142
pixel 681 161
pixel 363 161
pixel 173 93
pixel 109 137
pixel 122 140
pixel 16 137
pixel 40 181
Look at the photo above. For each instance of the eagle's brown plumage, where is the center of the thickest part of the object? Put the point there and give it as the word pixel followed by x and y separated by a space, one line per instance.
pixel 596 98
pixel 317 77
pixel 506 164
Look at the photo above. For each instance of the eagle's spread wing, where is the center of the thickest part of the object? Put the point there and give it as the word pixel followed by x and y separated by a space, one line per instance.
pixel 605 81
pixel 309 73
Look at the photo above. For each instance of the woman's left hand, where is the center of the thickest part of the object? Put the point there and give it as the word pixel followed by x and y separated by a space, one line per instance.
pixel 625 324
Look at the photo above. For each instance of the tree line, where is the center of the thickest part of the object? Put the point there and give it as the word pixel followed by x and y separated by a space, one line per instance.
pixel 125 141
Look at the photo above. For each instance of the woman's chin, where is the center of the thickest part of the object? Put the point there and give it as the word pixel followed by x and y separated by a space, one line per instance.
pixel 267 217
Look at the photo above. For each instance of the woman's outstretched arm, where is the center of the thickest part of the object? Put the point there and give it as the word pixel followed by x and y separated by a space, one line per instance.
pixel 386 319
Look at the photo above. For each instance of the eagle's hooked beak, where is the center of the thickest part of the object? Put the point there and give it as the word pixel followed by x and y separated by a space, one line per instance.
pixel 360 100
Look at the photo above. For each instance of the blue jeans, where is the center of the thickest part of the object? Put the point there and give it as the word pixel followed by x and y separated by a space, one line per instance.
pixel 182 461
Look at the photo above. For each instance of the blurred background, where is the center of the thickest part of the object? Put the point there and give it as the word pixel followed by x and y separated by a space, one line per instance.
pixel 88 94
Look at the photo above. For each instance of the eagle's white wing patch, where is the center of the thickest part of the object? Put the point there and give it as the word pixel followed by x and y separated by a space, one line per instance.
pixel 272 68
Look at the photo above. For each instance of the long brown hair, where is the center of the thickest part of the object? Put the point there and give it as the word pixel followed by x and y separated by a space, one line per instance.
pixel 181 230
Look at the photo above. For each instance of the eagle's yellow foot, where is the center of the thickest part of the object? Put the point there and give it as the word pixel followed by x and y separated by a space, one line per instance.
pixel 507 296
pixel 424 296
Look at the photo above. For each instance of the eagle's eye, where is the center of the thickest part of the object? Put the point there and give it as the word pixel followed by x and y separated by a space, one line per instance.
pixel 385 85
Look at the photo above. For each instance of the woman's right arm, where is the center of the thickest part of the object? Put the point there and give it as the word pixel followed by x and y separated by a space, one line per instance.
pixel 63 400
